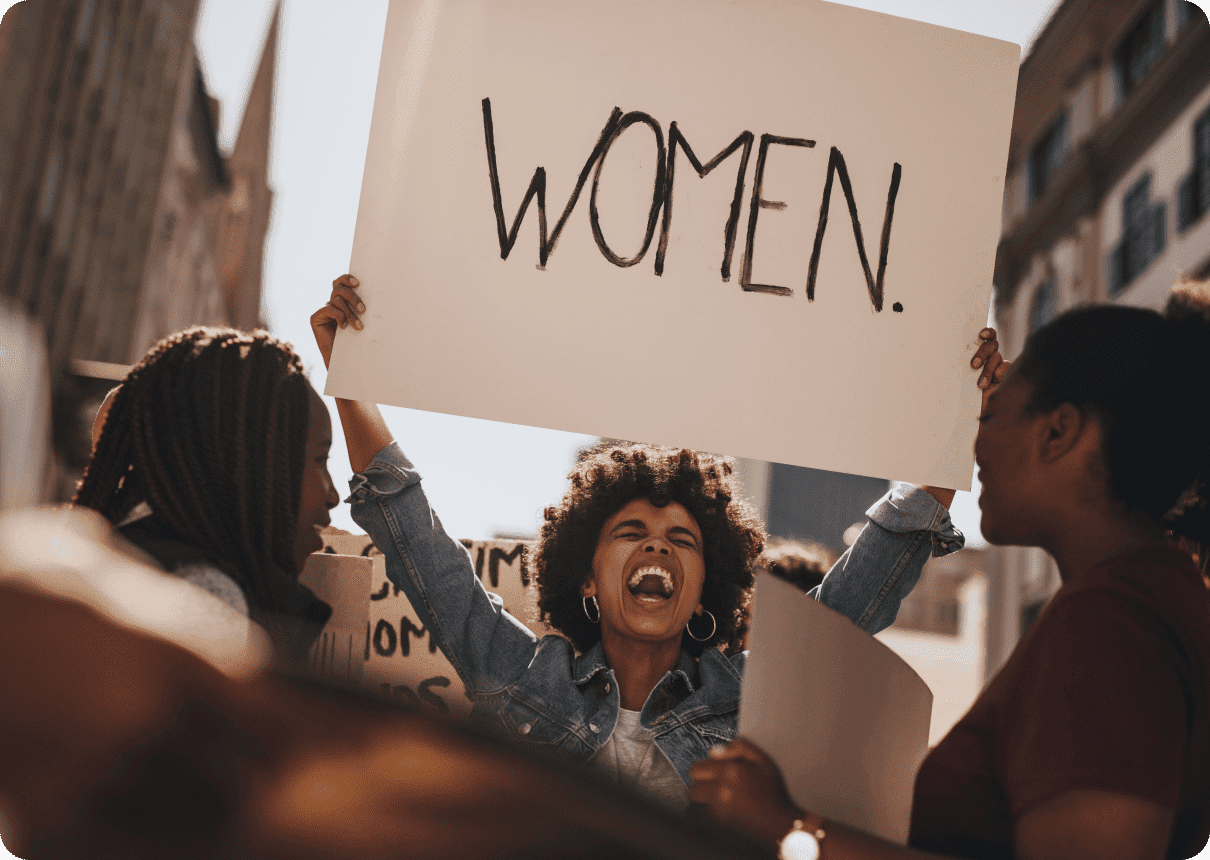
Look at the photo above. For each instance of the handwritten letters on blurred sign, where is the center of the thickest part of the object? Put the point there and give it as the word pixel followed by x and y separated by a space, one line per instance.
pixel 395 656
pixel 761 228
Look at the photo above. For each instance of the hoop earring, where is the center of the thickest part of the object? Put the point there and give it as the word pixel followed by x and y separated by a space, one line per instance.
pixel 708 636
pixel 596 607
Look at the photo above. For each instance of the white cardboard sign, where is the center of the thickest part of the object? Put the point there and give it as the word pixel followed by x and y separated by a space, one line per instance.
pixel 845 718
pixel 765 228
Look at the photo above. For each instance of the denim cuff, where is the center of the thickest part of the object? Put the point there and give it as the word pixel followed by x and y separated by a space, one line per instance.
pixel 907 508
pixel 389 473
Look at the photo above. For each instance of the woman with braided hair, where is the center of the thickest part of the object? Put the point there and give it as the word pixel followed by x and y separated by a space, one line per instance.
pixel 643 568
pixel 219 433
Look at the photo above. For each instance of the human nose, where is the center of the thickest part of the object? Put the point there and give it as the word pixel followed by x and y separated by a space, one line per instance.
pixel 657 544
pixel 333 498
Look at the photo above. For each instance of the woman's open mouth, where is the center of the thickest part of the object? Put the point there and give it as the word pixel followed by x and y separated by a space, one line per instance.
pixel 650 584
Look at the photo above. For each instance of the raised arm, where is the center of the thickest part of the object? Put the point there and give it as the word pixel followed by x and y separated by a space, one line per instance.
pixel 366 433
pixel 905 527
pixel 486 645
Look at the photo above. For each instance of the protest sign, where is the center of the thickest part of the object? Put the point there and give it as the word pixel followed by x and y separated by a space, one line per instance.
pixel 812 298
pixel 844 717
pixel 343 582
pixel 400 656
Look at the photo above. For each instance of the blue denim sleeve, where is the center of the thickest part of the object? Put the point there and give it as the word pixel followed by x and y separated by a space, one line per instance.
pixel 488 647
pixel 883 565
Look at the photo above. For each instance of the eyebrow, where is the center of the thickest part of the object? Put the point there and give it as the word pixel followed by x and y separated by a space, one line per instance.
pixel 630 524
pixel 682 530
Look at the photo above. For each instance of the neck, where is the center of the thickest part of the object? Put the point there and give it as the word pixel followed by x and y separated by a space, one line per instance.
pixel 639 666
pixel 1078 547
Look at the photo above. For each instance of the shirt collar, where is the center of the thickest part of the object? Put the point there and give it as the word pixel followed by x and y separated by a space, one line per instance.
pixel 592 662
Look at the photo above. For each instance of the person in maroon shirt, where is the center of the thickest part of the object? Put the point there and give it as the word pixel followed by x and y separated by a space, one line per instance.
pixel 1093 741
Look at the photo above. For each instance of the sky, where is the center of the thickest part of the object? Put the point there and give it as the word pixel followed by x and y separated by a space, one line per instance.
pixel 482 477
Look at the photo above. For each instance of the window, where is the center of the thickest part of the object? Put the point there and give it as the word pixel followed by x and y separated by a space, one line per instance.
pixel 1048 153
pixel 1193 194
pixel 1142 235
pixel 1044 304
pixel 1140 49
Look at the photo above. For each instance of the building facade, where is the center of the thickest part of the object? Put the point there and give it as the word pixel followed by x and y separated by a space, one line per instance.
pixel 1107 200
pixel 121 220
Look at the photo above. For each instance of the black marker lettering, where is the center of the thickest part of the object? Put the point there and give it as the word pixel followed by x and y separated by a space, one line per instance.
pixel 657 194
pixel 537 186
pixel 836 166
pixel 407 630
pixel 674 138
pixel 479 565
pixel 427 694
pixel 401 694
pixel 498 555
pixel 758 203
pixel 384 630
pixel 381 594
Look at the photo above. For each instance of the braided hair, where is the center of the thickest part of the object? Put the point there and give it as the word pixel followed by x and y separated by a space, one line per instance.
pixel 611 477
pixel 210 429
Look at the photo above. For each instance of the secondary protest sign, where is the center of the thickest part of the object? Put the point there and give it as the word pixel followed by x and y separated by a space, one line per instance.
pixel 343 582
pixel 844 717
pixel 761 228
pixel 400 657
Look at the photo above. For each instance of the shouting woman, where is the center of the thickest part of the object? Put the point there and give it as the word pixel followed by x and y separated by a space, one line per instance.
pixel 644 567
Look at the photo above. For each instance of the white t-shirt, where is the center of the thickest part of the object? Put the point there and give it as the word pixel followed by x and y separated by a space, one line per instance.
pixel 631 759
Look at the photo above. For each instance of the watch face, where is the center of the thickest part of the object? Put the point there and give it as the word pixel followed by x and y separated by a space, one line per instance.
pixel 799 845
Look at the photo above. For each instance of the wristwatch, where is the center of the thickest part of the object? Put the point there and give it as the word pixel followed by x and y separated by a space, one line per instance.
pixel 804 841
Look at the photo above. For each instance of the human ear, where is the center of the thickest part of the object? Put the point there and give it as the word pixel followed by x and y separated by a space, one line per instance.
pixel 1062 430
pixel 589 588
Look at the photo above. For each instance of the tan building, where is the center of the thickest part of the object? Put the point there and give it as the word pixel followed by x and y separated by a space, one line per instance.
pixel 941 633
pixel 121 220
pixel 1106 200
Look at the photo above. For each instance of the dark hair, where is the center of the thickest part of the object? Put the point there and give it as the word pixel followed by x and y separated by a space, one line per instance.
pixel 210 429
pixel 1144 376
pixel 1188 303
pixel 802 563
pixel 609 478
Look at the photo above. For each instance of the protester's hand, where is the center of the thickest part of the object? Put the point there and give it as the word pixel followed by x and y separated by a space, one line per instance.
pixel 988 357
pixel 343 309
pixel 742 787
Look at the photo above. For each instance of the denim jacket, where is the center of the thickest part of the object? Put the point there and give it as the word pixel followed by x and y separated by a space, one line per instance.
pixel 540 691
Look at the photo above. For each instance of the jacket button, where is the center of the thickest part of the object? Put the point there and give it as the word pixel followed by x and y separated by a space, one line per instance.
pixel 595 728
pixel 525 727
